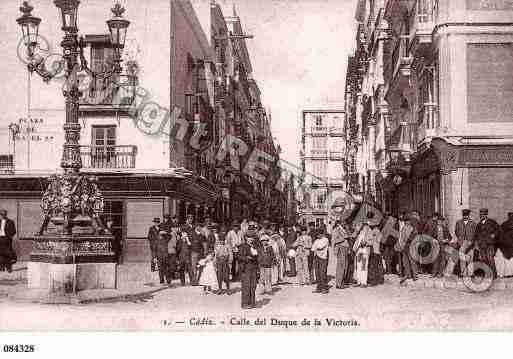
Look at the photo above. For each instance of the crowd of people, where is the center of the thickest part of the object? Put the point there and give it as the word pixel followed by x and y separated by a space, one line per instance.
pixel 427 247
pixel 213 256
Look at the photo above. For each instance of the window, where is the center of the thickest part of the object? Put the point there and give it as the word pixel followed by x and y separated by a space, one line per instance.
pixel 320 168
pixel 6 162
pixel 102 59
pixel 321 197
pixel 113 210
pixel 319 143
pixel 103 151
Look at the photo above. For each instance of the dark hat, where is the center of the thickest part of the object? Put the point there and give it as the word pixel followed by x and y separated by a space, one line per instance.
pixel 235 223
pixel 156 220
pixel 483 211
pixel 465 212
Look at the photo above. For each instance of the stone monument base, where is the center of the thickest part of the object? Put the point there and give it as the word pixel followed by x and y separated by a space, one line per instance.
pixel 66 264
pixel 70 278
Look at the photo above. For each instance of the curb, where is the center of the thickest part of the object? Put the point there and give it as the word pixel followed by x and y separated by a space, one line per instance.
pixel 24 295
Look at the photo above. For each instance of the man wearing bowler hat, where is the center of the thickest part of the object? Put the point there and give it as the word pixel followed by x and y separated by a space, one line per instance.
pixel 248 259
pixel 485 238
pixel 464 230
pixel 153 237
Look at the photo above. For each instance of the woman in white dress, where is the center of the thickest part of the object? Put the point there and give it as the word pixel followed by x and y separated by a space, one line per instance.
pixel 208 277
pixel 362 253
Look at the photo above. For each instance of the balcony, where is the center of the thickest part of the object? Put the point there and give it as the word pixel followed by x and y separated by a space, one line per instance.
pixel 425 16
pixel 318 131
pixel 404 138
pixel 401 58
pixel 318 154
pixel 400 146
pixel 108 95
pixel 336 131
pixel 108 157
pixel 6 164
pixel 336 155
pixel 337 182
pixel 429 123
pixel 319 207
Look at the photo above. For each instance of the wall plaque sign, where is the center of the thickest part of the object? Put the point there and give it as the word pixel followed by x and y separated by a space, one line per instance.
pixel 483 5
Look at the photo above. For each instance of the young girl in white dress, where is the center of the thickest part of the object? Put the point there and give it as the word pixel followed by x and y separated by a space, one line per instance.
pixel 208 277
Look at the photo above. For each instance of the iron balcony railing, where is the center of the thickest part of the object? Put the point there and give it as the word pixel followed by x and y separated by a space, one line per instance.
pixel 6 164
pixel 400 56
pixel 337 155
pixel 335 130
pixel 318 153
pixel 115 92
pixel 112 157
pixel 428 120
pixel 320 207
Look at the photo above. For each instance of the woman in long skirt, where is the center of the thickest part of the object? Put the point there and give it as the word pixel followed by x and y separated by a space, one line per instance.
pixel 362 252
pixel 376 272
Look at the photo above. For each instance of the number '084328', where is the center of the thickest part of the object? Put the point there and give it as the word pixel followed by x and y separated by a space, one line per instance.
pixel 18 348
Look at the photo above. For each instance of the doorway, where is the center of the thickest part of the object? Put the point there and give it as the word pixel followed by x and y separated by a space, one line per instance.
pixel 114 210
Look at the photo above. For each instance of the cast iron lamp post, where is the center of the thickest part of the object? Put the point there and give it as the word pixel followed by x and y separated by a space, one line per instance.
pixel 76 254
pixel 71 195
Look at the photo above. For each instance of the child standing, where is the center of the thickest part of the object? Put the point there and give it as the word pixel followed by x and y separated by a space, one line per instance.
pixel 208 277
pixel 223 259
pixel 266 261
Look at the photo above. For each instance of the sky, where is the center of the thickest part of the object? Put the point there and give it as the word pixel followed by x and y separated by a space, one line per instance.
pixel 299 57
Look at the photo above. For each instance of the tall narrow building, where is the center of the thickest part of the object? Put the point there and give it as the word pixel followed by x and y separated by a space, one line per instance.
pixel 323 151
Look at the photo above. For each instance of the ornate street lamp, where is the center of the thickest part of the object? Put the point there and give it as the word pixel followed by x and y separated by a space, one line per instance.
pixel 118 28
pixel 29 27
pixel 69 14
pixel 72 202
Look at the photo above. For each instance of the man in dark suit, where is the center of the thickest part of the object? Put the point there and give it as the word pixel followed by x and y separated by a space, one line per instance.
pixel 485 237
pixel 158 239
pixel 7 232
pixel 197 252
pixel 183 248
pixel 248 257
pixel 189 225
pixel 464 230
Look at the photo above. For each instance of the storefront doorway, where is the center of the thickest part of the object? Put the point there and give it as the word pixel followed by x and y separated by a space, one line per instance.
pixel 113 209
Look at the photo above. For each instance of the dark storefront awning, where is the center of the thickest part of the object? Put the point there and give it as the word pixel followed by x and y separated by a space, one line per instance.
pixel 120 184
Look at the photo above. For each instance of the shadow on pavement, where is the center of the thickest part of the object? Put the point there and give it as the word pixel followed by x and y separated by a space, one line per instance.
pixel 234 291
pixel 262 302
pixel 275 290
pixel 127 298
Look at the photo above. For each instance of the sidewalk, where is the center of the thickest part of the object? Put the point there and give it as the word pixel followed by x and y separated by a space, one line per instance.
pixel 135 283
